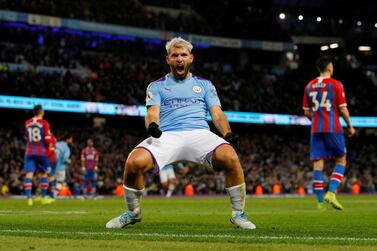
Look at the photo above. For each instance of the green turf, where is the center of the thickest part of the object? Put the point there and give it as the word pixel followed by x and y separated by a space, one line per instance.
pixel 189 223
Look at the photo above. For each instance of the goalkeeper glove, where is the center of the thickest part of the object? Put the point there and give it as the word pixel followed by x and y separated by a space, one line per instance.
pixel 231 138
pixel 154 130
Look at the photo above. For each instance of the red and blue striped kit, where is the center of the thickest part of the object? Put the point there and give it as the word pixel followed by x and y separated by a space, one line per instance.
pixel 38 136
pixel 90 157
pixel 324 96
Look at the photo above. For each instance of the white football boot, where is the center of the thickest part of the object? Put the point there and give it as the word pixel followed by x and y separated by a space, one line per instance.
pixel 125 219
pixel 240 220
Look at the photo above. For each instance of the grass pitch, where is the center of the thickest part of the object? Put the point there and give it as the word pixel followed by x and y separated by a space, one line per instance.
pixel 189 224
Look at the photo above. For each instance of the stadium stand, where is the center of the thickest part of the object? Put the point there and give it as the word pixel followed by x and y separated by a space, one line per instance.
pixel 98 69
pixel 46 62
pixel 181 19
pixel 269 155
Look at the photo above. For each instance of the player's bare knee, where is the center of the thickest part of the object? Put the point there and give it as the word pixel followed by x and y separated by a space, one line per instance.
pixel 318 165
pixel 227 161
pixel 341 160
pixel 232 161
pixel 134 165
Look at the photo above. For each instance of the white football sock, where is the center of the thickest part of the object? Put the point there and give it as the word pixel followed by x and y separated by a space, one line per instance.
pixel 132 198
pixel 237 196
pixel 170 190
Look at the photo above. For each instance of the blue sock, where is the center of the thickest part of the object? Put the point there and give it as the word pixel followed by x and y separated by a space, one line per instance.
pixel 336 177
pixel 27 187
pixel 84 188
pixel 44 186
pixel 76 189
pixel 318 185
pixel 51 188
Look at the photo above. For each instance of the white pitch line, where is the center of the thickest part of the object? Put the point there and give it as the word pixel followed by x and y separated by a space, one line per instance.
pixel 206 236
pixel 42 212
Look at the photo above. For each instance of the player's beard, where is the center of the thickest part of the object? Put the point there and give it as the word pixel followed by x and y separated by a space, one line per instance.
pixel 180 71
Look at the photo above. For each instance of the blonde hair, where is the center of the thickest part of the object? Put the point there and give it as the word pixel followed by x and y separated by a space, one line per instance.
pixel 178 42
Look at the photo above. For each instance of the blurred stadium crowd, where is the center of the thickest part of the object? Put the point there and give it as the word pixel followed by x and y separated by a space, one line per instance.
pixel 113 70
pixel 235 19
pixel 219 20
pixel 54 63
pixel 275 156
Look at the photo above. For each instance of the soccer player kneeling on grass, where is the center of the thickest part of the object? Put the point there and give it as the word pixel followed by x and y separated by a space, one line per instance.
pixel 324 100
pixel 176 121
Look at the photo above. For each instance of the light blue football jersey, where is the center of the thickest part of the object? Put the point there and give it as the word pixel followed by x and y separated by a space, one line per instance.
pixel 62 152
pixel 168 167
pixel 184 104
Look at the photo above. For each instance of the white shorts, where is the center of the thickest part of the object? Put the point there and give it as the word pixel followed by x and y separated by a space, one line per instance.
pixel 60 176
pixel 195 146
pixel 167 173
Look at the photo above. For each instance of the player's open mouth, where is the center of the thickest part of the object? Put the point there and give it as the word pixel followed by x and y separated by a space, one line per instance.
pixel 180 68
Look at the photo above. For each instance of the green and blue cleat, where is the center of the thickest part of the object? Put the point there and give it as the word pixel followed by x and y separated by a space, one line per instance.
pixel 331 199
pixel 30 202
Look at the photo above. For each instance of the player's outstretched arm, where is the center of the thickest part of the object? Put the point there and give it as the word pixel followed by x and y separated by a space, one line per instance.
pixel 346 116
pixel 152 121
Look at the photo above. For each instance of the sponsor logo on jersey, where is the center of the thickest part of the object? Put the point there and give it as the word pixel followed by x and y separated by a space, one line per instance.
pixel 181 102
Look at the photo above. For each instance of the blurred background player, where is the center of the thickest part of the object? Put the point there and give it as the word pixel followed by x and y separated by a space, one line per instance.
pixel 62 152
pixel 168 179
pixel 38 136
pixel 52 168
pixel 89 166
pixel 324 100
